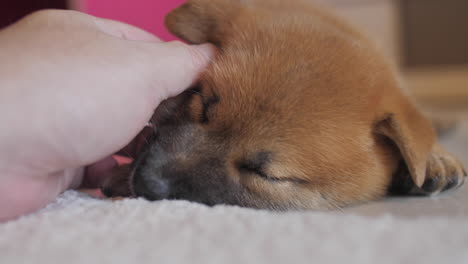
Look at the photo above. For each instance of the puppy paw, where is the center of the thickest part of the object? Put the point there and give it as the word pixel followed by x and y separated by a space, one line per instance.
pixel 443 172
pixel 117 182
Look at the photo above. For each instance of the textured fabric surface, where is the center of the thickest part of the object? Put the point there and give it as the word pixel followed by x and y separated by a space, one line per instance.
pixel 80 229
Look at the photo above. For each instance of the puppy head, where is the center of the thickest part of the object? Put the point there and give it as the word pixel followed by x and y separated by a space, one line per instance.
pixel 297 111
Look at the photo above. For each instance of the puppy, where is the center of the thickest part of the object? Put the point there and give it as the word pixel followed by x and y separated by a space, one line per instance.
pixel 298 111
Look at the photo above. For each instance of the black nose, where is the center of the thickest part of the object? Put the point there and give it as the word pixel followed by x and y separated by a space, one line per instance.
pixel 151 187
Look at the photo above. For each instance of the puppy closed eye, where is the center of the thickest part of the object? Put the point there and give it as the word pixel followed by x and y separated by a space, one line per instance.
pixel 257 166
pixel 249 167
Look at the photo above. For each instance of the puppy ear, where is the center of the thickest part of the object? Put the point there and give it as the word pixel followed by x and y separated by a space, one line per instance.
pixel 200 21
pixel 414 136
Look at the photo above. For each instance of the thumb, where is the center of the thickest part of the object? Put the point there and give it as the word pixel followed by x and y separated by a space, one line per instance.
pixel 176 66
pixel 123 31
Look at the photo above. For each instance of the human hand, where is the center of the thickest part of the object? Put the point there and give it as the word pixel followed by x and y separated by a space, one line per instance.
pixel 75 89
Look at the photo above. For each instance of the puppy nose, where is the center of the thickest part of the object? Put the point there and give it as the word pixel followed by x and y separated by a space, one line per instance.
pixel 151 188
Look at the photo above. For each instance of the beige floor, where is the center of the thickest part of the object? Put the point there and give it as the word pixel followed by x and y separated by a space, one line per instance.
pixel 449 204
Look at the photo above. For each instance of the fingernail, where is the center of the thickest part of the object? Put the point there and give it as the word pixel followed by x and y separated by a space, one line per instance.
pixel 206 50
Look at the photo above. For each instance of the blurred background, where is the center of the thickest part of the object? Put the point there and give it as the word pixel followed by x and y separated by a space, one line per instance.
pixel 427 39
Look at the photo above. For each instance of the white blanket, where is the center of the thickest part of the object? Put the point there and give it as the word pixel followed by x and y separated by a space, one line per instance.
pixel 78 229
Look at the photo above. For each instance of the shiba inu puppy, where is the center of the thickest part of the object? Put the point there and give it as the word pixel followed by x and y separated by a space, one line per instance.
pixel 298 111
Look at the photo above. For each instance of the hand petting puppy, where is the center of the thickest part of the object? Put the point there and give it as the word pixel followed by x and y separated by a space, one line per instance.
pixel 74 89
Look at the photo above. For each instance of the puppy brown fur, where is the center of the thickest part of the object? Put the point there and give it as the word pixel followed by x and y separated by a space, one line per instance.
pixel 298 110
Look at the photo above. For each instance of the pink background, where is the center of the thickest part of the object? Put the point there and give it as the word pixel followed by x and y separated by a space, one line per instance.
pixel 146 14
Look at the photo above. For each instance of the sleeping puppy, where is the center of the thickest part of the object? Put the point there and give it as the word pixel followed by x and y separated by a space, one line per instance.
pixel 298 111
